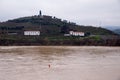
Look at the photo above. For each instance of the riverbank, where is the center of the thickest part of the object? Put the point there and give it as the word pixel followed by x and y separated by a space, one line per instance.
pixel 60 41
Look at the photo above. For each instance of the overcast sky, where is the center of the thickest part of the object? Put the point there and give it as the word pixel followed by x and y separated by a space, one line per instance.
pixel 83 12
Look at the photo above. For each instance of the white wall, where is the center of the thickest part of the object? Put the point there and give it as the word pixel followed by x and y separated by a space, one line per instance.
pixel 76 33
pixel 32 33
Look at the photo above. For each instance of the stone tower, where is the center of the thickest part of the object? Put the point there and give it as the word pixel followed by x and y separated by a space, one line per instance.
pixel 40 13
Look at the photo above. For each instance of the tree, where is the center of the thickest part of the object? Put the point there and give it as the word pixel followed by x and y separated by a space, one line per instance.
pixel 65 28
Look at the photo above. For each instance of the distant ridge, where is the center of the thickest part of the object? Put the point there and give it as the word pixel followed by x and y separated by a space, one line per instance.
pixel 115 29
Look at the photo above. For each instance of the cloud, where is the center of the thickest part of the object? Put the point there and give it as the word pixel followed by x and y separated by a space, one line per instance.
pixel 85 12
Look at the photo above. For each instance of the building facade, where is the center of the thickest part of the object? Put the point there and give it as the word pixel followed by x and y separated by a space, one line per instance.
pixel 72 33
pixel 31 33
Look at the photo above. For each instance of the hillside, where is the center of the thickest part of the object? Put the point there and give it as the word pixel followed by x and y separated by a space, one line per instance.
pixel 49 25
pixel 50 31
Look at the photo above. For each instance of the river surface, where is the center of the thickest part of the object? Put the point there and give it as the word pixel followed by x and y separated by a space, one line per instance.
pixel 59 63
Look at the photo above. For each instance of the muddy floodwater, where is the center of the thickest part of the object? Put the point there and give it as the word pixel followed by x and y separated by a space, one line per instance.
pixel 59 63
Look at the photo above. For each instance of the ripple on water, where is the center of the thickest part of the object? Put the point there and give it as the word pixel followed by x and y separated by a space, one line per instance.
pixel 67 63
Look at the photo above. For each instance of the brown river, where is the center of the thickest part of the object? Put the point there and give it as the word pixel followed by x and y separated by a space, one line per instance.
pixel 59 63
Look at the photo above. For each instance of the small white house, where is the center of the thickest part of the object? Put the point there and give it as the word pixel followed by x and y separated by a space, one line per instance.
pixel 31 33
pixel 72 33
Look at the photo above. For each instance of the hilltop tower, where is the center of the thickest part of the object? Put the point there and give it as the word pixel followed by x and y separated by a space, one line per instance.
pixel 40 13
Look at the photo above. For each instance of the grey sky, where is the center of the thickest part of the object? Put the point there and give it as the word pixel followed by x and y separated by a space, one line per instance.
pixel 83 12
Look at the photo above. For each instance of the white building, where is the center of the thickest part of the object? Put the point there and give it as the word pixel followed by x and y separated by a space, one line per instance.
pixel 31 33
pixel 72 33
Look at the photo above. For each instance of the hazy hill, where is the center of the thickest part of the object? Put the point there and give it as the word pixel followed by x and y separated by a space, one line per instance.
pixel 111 27
pixel 53 26
pixel 115 29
